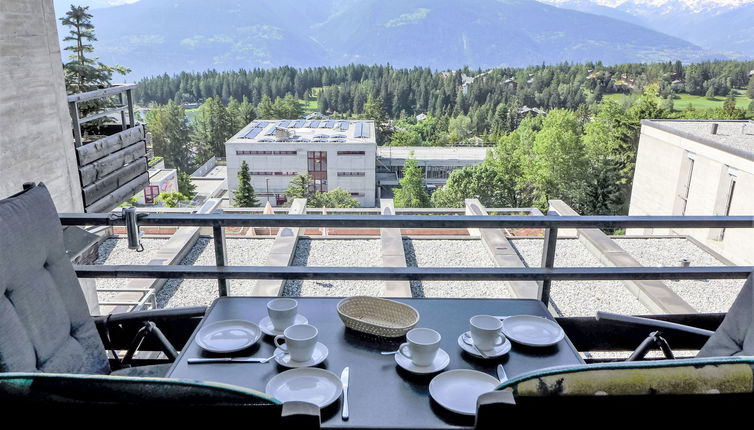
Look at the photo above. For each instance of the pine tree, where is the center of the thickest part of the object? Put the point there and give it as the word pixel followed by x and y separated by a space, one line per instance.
pixel 171 136
pixel 300 187
pixel 84 73
pixel 412 193
pixel 244 196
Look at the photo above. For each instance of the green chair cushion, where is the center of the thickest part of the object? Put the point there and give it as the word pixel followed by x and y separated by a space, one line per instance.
pixel 684 376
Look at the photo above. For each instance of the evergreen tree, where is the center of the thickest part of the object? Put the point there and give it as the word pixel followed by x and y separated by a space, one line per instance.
pixel 83 72
pixel 374 109
pixel 171 136
pixel 337 198
pixel 213 127
pixel 185 186
pixel 244 196
pixel 412 193
pixel 300 187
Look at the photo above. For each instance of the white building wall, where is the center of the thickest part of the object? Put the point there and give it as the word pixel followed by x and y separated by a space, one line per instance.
pixel 656 179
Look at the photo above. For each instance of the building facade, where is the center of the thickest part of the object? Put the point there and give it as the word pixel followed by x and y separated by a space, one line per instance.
pixel 697 168
pixel 334 153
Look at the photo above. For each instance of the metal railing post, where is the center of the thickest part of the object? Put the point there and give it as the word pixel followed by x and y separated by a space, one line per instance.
pixel 548 262
pixel 218 234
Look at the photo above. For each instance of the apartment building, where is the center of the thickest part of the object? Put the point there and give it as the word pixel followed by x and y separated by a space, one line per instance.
pixel 335 153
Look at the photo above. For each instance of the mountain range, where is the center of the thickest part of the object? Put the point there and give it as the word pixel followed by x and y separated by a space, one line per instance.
pixel 721 25
pixel 169 36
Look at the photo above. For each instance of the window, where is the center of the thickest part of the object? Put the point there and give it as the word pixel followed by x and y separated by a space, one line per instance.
pixel 272 173
pixel 351 174
pixel 726 190
pixel 351 153
pixel 266 152
pixel 357 194
pixel 684 184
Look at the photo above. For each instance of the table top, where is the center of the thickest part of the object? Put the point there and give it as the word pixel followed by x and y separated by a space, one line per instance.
pixel 381 394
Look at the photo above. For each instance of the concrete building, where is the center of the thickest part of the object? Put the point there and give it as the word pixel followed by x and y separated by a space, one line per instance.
pixel 35 143
pixel 697 168
pixel 335 153
pixel 436 161
pixel 160 181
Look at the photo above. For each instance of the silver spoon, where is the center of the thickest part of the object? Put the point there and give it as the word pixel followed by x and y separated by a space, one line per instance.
pixel 467 340
pixel 388 352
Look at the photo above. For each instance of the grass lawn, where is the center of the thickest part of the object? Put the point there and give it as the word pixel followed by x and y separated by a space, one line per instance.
pixel 682 101
pixel 309 106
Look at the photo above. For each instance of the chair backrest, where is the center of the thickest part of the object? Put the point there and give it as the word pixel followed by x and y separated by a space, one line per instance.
pixel 735 336
pixel 156 400
pixel 44 321
pixel 672 386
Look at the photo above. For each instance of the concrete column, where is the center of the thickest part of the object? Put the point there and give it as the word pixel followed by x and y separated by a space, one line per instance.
pixel 36 142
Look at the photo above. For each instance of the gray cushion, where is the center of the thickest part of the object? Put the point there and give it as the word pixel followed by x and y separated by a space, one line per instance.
pixel 44 321
pixel 735 336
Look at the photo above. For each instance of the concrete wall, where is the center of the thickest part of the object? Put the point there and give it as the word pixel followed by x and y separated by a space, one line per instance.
pixel 656 183
pixel 35 127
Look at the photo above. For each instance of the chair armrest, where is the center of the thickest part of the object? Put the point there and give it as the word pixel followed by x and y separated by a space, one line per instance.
pixel 154 315
pixel 300 415
pixel 493 408
pixel 653 324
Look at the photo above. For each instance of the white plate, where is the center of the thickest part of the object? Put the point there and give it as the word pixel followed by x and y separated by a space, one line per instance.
pixel 228 336
pixel 318 356
pixel 441 361
pixel 458 390
pixel 498 351
pixel 318 386
pixel 267 328
pixel 532 331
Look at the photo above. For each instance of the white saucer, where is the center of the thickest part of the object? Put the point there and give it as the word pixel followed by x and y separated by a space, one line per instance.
pixel 532 331
pixel 318 356
pixel 442 359
pixel 228 336
pixel 458 390
pixel 267 328
pixel 491 353
pixel 318 386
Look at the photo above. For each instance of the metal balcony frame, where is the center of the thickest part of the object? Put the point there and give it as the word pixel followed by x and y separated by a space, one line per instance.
pixel 546 273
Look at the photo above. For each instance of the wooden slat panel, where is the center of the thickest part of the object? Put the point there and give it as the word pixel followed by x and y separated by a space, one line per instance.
pixel 104 166
pixel 113 181
pixel 106 146
pixel 120 195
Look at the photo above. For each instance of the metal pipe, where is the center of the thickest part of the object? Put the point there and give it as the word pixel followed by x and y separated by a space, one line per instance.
pixel 418 221
pixel 218 234
pixel 414 273
pixel 548 262
pixel 132 228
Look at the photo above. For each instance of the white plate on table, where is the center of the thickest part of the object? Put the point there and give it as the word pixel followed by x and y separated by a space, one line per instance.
pixel 267 328
pixel 458 390
pixel 318 356
pixel 313 385
pixel 228 336
pixel 441 361
pixel 495 352
pixel 532 331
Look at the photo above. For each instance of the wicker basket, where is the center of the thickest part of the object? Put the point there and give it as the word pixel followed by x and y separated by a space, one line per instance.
pixel 380 317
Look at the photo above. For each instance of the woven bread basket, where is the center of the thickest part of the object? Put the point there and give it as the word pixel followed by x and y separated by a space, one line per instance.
pixel 380 317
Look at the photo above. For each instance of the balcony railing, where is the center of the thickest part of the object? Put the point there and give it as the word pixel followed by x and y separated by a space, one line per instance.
pixel 546 273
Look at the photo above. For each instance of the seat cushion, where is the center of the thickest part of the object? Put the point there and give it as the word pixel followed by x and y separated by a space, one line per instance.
pixel 44 319
pixel 685 376
pixel 153 370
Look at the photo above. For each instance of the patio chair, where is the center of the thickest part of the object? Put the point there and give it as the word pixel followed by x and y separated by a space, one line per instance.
pixel 124 399
pixel 734 336
pixel 656 392
pixel 52 353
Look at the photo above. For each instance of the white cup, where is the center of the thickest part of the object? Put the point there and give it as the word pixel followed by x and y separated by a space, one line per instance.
pixel 486 331
pixel 282 313
pixel 422 346
pixel 300 340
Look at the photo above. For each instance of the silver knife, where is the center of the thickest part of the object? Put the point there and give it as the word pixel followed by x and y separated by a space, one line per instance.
pixel 344 380
pixel 501 373
pixel 227 360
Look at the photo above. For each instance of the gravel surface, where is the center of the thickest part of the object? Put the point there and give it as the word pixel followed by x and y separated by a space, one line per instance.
pixel 580 298
pixel 196 292
pixel 715 295
pixel 452 253
pixel 115 251
pixel 357 253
